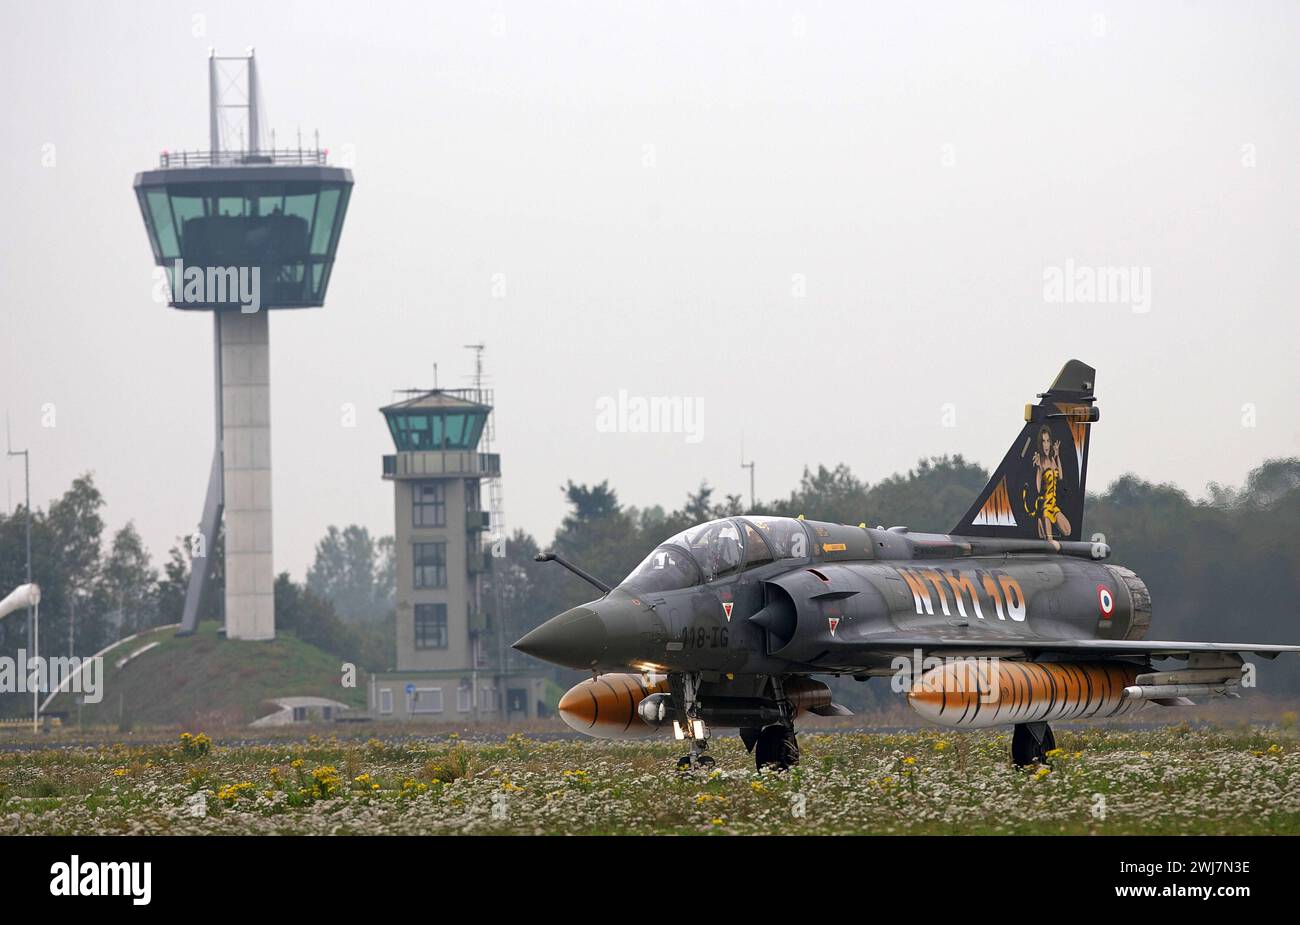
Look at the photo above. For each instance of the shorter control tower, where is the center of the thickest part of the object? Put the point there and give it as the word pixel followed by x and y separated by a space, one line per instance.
pixel 450 662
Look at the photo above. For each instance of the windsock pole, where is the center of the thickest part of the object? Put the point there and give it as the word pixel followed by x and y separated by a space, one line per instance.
pixel 28 595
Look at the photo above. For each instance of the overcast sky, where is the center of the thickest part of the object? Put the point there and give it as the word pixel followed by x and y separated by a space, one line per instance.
pixel 824 222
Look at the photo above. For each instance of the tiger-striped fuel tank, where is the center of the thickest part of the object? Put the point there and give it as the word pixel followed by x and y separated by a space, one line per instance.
pixel 975 693
pixel 605 707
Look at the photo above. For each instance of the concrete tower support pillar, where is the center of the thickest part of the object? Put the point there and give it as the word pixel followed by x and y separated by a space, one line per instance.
pixel 246 451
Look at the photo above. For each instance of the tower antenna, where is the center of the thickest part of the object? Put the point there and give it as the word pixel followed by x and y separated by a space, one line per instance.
pixel 750 466
pixel 478 363
pixel 496 509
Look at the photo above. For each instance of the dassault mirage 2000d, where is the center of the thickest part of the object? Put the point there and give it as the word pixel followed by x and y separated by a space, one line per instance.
pixel 1008 619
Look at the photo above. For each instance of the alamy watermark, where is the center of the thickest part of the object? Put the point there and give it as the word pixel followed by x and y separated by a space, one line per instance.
pixel 210 286
pixel 76 877
pixel 41 675
pixel 1073 284
pixel 656 414
pixel 955 675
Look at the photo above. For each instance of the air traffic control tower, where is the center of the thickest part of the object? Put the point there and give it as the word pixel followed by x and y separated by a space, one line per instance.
pixel 453 661
pixel 239 228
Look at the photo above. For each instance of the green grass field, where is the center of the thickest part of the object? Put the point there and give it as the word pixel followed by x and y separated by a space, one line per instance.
pixel 1176 779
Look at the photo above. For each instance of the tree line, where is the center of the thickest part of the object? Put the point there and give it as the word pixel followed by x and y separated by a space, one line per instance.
pixel 1222 567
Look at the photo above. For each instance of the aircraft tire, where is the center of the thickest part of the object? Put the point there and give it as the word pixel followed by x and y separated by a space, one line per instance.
pixel 1029 748
pixel 776 747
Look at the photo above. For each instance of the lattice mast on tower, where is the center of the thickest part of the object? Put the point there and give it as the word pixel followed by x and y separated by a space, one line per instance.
pixel 496 510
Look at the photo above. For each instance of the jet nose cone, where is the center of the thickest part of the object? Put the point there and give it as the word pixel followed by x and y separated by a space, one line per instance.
pixel 574 639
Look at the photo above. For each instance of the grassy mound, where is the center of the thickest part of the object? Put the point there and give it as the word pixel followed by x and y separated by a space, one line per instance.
pixel 206 681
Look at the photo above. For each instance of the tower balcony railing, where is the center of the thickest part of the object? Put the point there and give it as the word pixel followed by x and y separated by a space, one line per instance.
pixel 420 464
pixel 298 156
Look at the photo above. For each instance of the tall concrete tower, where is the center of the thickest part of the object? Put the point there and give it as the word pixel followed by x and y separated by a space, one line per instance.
pixel 240 228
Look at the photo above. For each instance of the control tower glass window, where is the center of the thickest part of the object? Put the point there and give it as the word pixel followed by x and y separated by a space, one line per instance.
pixel 287 229
pixel 164 228
pixel 463 430
pixel 426 434
pixel 429 504
pixel 455 430
pixel 436 430
pixel 430 565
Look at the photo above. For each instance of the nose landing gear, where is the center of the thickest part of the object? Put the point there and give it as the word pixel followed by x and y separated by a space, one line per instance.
pixel 697 760
pixel 685 688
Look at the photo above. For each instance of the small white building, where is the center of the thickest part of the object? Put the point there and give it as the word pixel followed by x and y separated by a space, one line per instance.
pixel 301 710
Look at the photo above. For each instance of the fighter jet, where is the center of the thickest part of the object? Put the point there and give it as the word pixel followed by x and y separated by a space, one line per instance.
pixel 1011 618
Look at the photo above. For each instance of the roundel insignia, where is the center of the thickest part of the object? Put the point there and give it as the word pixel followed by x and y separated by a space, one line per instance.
pixel 726 608
pixel 833 623
pixel 1105 600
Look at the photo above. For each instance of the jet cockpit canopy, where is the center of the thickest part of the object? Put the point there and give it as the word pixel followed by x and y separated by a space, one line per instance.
pixel 718 549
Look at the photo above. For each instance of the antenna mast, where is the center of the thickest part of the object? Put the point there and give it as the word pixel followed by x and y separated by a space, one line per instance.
pixel 219 84
pixel 496 506
pixel 750 466
pixel 487 442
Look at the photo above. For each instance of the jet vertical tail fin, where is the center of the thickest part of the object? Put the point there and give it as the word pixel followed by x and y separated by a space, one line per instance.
pixel 1037 491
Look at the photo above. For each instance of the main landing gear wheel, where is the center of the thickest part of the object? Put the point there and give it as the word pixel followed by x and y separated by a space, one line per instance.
pixel 1030 743
pixel 776 747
